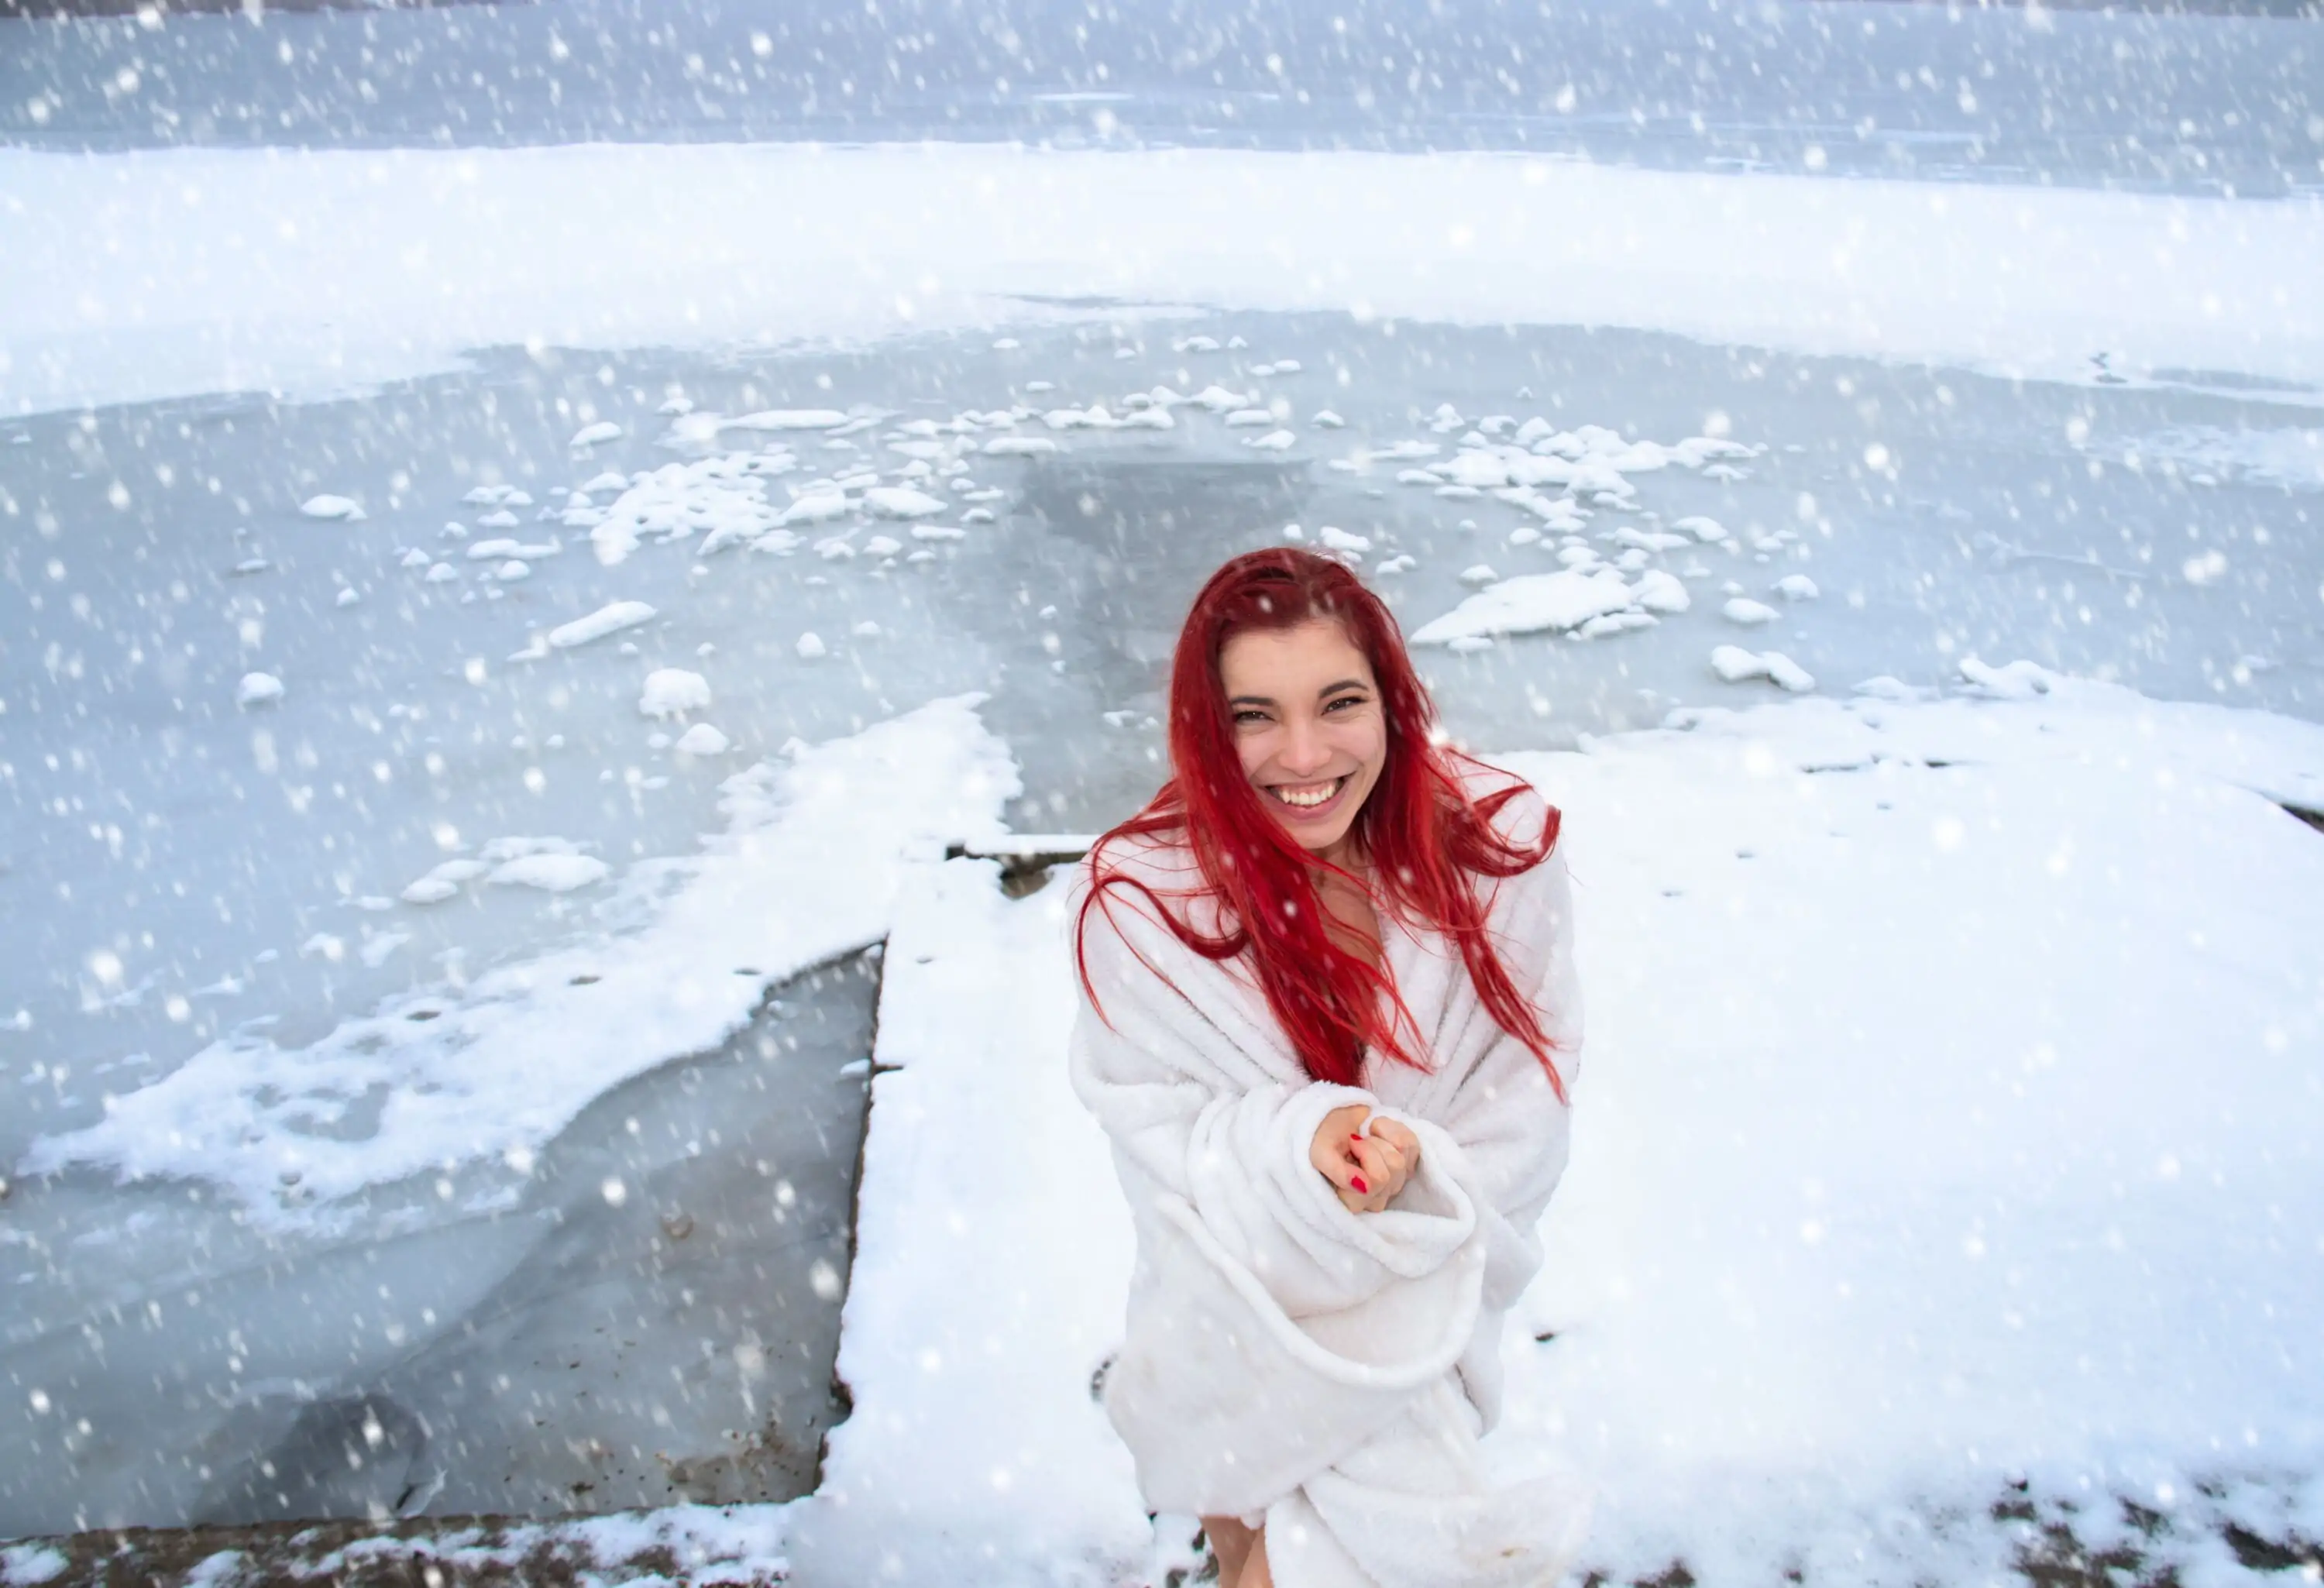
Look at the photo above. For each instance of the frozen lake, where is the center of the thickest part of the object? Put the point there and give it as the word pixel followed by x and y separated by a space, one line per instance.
pixel 2119 97
pixel 632 1296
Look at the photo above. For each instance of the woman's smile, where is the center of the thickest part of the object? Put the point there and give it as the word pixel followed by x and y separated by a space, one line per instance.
pixel 1310 801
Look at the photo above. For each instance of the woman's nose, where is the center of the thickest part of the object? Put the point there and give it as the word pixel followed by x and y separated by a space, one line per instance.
pixel 1304 750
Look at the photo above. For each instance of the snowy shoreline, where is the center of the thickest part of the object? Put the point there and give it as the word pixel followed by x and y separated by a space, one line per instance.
pixel 148 275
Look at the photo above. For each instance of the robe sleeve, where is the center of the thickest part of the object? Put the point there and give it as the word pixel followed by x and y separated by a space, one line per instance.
pixel 1513 1129
pixel 1186 1103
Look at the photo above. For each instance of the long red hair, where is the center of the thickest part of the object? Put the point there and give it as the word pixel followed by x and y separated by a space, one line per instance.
pixel 1427 840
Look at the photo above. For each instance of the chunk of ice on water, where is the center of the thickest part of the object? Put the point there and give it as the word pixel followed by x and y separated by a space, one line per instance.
pixel 1338 539
pixel 787 419
pixel 552 874
pixel 257 689
pixel 1742 609
pixel 415 557
pixel 1327 419
pixel 1735 665
pixel 609 619
pixel 673 692
pixel 1273 441
pixel 1020 447
pixel 604 429
pixel 1658 591
pixel 444 881
pixel 1479 574
pixel 348 595
pixel 899 501
pixel 327 506
pixel 810 645
pixel 1796 588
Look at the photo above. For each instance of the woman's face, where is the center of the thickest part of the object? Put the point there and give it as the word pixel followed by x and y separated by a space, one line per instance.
pixel 1308 723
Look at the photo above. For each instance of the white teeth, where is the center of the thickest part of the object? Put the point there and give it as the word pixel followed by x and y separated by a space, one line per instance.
pixel 1314 798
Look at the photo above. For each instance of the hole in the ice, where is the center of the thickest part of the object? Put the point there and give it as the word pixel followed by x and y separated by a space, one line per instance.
pixel 746 969
pixel 585 981
pixel 422 1014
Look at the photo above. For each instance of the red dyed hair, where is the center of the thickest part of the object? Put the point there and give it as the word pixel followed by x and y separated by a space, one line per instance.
pixel 1427 840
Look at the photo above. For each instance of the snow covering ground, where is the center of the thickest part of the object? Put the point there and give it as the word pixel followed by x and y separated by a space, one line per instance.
pixel 182 271
pixel 1950 1134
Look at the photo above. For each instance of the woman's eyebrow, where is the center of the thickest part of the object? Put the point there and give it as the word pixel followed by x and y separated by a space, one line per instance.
pixel 1342 684
pixel 1250 700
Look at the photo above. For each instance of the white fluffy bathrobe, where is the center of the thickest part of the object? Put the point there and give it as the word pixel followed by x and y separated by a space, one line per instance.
pixel 1329 1369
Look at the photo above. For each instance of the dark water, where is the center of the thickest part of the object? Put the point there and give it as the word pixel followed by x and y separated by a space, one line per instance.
pixel 2154 100
pixel 587 1349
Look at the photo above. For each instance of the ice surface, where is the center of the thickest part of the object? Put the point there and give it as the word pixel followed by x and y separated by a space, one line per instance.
pixel 443 1076
pixel 1968 282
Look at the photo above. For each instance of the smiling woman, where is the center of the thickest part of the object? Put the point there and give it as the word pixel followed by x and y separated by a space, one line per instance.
pixel 1334 1182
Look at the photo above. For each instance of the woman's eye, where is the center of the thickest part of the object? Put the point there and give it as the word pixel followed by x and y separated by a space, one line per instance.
pixel 1344 700
pixel 1245 718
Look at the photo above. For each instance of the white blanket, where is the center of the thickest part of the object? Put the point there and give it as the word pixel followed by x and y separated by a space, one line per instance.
pixel 1329 1371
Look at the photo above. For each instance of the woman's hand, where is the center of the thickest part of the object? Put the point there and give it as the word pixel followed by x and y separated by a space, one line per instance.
pixel 1367 1168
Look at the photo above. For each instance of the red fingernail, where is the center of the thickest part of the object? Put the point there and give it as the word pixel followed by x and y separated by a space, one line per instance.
pixel 1358 1182
pixel 1355 1136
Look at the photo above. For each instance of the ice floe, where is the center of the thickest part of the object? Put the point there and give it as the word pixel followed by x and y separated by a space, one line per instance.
pixel 673 692
pixel 1735 665
pixel 609 619
pixel 1529 603
pixel 258 689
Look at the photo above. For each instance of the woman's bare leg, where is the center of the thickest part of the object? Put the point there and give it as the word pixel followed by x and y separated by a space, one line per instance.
pixel 1231 1541
pixel 1255 1572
